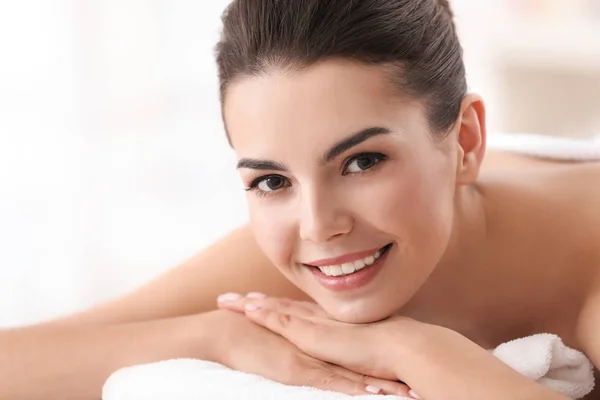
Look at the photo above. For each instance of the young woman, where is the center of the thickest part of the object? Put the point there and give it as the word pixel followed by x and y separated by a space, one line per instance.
pixel 408 253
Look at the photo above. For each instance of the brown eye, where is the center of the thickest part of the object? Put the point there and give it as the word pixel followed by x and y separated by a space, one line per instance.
pixel 363 162
pixel 272 183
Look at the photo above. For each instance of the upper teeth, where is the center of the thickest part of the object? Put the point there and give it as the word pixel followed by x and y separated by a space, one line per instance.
pixel 348 268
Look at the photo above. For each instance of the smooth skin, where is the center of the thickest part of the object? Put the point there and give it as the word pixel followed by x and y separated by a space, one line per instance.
pixel 489 248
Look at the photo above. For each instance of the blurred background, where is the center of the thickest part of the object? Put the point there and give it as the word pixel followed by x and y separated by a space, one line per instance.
pixel 113 162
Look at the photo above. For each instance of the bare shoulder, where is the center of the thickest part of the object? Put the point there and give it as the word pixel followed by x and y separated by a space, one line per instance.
pixel 585 208
pixel 566 188
pixel 576 191
pixel 558 204
pixel 559 201
pixel 563 200
pixel 573 193
pixel 578 188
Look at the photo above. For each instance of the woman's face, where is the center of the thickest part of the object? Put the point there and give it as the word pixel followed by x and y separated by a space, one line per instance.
pixel 348 194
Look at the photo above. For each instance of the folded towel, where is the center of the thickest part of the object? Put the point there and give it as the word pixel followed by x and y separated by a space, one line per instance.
pixel 545 146
pixel 543 358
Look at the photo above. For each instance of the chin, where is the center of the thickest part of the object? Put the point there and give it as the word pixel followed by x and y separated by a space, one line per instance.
pixel 360 311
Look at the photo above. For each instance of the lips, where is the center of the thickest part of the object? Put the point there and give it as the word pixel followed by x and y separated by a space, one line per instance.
pixel 351 280
pixel 347 258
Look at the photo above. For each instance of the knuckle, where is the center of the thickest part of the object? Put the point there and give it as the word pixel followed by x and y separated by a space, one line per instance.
pixel 330 379
pixel 333 381
pixel 325 379
pixel 284 319
pixel 319 376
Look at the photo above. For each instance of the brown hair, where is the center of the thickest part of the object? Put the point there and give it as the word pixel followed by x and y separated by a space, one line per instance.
pixel 416 38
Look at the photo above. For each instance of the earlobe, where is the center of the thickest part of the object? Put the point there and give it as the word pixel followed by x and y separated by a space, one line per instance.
pixel 471 139
pixel 468 169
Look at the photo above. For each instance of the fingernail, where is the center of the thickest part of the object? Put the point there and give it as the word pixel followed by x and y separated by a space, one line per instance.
pixel 228 297
pixel 412 394
pixel 373 389
pixel 256 295
pixel 251 307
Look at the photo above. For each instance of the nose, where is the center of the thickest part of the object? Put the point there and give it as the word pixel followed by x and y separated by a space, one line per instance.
pixel 323 217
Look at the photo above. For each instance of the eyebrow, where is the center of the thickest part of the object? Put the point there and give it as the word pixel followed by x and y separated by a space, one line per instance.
pixel 261 165
pixel 352 141
pixel 337 149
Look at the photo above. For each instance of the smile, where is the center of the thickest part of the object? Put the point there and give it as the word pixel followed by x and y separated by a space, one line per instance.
pixel 350 274
pixel 348 268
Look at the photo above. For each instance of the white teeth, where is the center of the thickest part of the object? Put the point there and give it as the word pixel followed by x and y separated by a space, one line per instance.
pixel 335 270
pixel 349 268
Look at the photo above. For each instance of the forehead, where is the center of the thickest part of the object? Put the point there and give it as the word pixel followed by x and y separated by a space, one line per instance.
pixel 320 103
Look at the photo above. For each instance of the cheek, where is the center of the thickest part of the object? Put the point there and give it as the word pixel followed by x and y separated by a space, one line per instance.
pixel 417 209
pixel 274 232
pixel 433 216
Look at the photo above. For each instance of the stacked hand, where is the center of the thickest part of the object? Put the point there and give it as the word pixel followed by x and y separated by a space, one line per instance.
pixel 436 361
pixel 355 352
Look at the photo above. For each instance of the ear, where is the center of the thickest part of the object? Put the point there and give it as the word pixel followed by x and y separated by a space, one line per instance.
pixel 471 137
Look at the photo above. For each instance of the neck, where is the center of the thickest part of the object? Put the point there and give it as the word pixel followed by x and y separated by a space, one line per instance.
pixel 465 290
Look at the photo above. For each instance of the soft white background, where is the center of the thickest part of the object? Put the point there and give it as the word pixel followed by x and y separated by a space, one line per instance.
pixel 113 161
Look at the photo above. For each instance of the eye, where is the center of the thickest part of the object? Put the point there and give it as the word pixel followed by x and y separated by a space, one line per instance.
pixel 363 162
pixel 269 183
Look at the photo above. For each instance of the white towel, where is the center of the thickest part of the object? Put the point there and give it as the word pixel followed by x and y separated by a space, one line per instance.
pixel 543 358
pixel 545 146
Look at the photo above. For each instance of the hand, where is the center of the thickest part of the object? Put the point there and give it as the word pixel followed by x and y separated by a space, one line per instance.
pixel 436 361
pixel 360 347
pixel 245 346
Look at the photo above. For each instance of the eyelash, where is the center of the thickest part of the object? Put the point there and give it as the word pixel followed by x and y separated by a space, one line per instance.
pixel 377 156
pixel 261 193
pixel 253 187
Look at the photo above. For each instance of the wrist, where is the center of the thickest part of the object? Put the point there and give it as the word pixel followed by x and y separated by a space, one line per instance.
pixel 202 336
pixel 428 353
pixel 158 340
pixel 408 346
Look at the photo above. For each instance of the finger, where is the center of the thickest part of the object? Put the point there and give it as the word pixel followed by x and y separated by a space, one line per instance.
pixel 388 387
pixel 288 306
pixel 328 380
pixel 236 302
pixel 232 301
